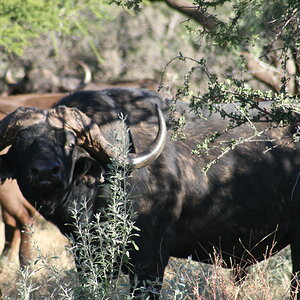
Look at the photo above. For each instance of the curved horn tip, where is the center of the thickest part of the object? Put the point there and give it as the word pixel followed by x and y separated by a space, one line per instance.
pixel 9 78
pixel 155 149
pixel 87 72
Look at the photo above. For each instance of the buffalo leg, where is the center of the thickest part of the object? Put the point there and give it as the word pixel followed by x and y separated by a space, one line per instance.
pixel 295 253
pixel 12 235
pixel 18 213
pixel 17 239
pixel 146 280
pixel 149 263
pixel 25 252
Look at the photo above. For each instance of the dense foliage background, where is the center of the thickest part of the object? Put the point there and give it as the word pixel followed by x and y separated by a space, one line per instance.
pixel 251 44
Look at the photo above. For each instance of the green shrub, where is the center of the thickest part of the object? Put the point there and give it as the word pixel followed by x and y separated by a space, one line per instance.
pixel 23 20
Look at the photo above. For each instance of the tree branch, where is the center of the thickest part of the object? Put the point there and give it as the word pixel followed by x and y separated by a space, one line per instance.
pixel 261 71
pixel 200 15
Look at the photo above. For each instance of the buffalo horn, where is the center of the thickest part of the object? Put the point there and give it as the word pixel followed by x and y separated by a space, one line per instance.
pixel 88 133
pixel 87 72
pixel 20 118
pixel 91 138
pixel 143 159
pixel 9 78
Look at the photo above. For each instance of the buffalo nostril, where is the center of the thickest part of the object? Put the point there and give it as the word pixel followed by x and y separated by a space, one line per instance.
pixel 45 169
pixel 55 170
pixel 34 171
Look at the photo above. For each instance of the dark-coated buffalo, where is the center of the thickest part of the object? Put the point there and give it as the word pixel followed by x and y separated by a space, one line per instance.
pixel 245 207
pixel 17 212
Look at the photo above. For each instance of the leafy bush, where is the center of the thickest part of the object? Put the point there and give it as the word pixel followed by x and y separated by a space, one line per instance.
pixel 22 21
pixel 102 245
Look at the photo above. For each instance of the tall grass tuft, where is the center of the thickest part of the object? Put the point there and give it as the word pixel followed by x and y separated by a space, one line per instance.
pixel 266 280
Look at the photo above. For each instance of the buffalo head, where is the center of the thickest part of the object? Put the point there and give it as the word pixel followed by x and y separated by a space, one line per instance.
pixel 58 152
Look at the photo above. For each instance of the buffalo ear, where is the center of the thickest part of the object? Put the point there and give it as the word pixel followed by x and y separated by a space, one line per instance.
pixel 88 166
pixel 7 168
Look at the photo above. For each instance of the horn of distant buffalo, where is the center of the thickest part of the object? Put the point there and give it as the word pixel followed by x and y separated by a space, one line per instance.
pixel 9 78
pixel 87 72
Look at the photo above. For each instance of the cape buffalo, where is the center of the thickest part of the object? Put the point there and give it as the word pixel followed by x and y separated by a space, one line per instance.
pixel 245 206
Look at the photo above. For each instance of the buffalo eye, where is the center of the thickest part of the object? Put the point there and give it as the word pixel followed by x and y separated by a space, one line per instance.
pixel 69 142
pixel 69 147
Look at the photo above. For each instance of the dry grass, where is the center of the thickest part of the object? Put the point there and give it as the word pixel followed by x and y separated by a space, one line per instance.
pixel 52 276
pixel 267 280
pixel 51 256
